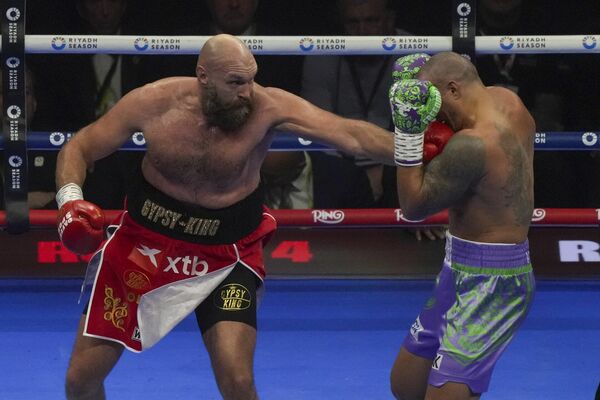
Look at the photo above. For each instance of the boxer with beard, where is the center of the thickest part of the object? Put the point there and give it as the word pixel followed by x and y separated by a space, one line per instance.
pixel 190 238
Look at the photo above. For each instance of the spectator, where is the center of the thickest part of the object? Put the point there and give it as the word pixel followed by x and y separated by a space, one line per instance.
pixel 239 17
pixel 582 111
pixel 530 76
pixel 86 86
pixel 313 180
pixel 356 86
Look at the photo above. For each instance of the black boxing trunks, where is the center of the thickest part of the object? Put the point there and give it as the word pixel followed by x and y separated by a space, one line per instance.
pixel 165 257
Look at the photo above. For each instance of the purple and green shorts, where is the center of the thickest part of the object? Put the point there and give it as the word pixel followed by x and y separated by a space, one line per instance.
pixel 482 295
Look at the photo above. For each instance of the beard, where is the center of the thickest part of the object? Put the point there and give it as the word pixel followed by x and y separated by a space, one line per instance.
pixel 228 117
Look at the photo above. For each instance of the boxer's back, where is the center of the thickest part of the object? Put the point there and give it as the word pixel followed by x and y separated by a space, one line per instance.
pixel 500 205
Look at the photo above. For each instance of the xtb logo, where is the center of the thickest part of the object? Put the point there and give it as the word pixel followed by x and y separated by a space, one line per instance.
pixel 437 361
pixel 185 264
pixel 191 266
pixel 150 253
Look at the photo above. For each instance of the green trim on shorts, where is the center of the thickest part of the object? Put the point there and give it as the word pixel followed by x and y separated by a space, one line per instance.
pixel 492 271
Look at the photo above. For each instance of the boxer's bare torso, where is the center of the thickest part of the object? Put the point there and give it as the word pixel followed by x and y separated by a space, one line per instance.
pixel 195 162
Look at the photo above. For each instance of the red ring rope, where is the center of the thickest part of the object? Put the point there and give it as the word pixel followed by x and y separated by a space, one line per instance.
pixel 572 217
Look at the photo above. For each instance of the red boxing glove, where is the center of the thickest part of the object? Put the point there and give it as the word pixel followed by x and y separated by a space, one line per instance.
pixel 436 137
pixel 80 226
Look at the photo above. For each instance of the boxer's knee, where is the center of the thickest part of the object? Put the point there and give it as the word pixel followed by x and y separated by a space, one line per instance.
pixel 79 385
pixel 238 386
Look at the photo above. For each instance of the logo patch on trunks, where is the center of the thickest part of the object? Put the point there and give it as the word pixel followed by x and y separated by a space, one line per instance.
pixel 136 280
pixel 136 334
pixel 232 297
pixel 416 328
pixel 437 361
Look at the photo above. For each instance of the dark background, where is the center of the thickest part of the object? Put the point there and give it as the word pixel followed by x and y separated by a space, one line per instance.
pixel 421 17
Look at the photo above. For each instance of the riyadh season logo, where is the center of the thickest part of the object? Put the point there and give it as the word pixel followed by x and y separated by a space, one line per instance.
pixel 13 62
pixel 57 138
pixel 538 214
pixel 13 14
pixel 138 139
pixel 141 44
pixel 463 9
pixel 589 138
pixel 589 42
pixel 388 43
pixel 15 161
pixel 507 43
pixel 58 43
pixel 307 44
pixel 13 112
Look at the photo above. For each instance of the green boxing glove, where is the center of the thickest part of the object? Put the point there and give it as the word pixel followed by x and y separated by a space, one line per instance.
pixel 408 67
pixel 415 104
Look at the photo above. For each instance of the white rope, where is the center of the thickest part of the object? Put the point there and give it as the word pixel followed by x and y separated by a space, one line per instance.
pixel 310 45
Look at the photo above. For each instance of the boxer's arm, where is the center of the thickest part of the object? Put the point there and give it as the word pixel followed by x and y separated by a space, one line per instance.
pixel 426 190
pixel 360 138
pixel 102 137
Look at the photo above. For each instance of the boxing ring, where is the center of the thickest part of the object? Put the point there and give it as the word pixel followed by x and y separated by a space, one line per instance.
pixel 349 321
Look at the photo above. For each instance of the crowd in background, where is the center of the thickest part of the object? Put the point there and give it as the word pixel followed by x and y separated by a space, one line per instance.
pixel 70 91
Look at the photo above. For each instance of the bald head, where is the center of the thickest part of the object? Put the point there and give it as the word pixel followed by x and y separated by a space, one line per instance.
pixel 449 66
pixel 222 49
pixel 225 72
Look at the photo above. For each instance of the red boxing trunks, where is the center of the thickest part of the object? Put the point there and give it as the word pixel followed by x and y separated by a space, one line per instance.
pixel 164 258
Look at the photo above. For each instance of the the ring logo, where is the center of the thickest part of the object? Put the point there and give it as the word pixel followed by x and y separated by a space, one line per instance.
pixel 507 43
pixel 141 44
pixel 328 217
pixel 58 43
pixel 232 297
pixel 388 43
pixel 589 138
pixel 307 44
pixel 400 217
pixel 463 9
pixel 579 250
pixel 538 214
pixel 13 62
pixel 589 42
pixel 13 14
pixel 138 139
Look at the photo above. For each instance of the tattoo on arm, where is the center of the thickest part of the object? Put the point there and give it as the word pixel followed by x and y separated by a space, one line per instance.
pixel 453 173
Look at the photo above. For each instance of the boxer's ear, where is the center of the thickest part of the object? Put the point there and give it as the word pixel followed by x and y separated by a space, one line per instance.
pixel 201 74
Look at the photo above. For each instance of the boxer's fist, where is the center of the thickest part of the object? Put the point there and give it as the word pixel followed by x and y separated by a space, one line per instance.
pixel 436 137
pixel 408 67
pixel 80 226
pixel 415 104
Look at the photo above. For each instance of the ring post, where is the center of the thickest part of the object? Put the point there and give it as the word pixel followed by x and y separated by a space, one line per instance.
pixel 14 120
pixel 463 28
